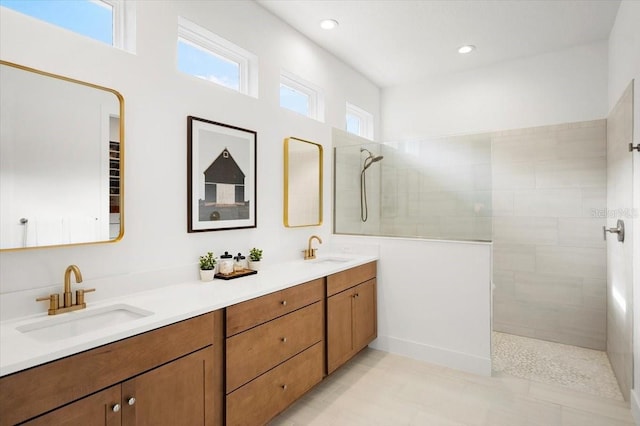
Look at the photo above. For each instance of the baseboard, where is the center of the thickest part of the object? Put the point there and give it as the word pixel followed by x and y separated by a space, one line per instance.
pixel 634 401
pixel 441 356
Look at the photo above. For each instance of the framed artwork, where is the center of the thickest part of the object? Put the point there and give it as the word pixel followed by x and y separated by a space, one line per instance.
pixel 221 176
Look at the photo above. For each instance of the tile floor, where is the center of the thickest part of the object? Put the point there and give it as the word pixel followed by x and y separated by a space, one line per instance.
pixel 584 370
pixel 379 388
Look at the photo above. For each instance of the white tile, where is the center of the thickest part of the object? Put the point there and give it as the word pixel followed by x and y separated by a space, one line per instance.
pixel 539 288
pixel 571 173
pixel 513 257
pixel 581 232
pixel 536 147
pixel 571 261
pixel 503 203
pixel 513 175
pixel 548 203
pixel 584 142
pixel 387 389
pixel 595 294
pixel 594 202
pixel 525 230
pixel 573 417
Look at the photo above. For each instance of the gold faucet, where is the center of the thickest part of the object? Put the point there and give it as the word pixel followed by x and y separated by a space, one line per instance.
pixel 310 253
pixel 67 298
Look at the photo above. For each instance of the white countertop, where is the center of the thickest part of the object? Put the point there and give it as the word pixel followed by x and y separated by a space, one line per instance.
pixel 169 304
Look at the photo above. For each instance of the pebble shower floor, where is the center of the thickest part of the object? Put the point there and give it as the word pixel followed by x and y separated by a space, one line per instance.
pixel 580 369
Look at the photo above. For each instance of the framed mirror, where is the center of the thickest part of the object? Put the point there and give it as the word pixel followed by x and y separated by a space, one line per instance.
pixel 302 183
pixel 61 160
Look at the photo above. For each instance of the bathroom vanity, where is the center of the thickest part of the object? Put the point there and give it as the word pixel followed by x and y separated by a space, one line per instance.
pixel 239 352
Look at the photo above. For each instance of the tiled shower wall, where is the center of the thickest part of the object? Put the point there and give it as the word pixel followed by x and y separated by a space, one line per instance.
pixel 438 188
pixel 549 201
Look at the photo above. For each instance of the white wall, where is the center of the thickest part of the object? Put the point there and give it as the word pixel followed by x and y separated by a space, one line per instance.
pixel 434 300
pixel 624 65
pixel 157 101
pixel 554 88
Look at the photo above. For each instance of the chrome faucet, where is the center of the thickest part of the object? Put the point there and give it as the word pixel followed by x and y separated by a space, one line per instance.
pixel 67 297
pixel 310 252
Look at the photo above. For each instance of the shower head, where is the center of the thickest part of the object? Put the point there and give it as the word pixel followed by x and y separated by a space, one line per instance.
pixel 370 159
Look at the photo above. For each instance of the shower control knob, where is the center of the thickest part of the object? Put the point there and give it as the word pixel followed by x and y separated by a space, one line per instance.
pixel 619 229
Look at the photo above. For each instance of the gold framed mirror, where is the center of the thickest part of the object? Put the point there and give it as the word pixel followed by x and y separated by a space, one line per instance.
pixel 61 160
pixel 303 179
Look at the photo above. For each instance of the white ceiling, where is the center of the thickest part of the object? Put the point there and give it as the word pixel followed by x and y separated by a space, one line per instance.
pixel 395 42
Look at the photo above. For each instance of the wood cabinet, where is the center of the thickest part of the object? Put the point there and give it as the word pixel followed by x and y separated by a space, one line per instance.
pixel 274 352
pixel 94 410
pixel 242 365
pixel 167 376
pixel 269 394
pixel 176 393
pixel 351 313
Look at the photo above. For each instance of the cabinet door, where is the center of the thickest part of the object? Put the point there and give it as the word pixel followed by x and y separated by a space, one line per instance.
pixel 364 315
pixel 339 329
pixel 95 410
pixel 178 393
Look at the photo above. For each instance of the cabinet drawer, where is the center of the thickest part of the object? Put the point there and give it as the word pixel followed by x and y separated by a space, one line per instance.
pixel 28 393
pixel 349 278
pixel 259 401
pixel 245 315
pixel 255 351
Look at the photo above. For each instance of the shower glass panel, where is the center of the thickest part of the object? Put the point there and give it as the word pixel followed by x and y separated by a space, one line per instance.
pixel 437 188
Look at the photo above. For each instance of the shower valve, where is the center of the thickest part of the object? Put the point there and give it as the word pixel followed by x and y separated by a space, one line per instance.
pixel 619 229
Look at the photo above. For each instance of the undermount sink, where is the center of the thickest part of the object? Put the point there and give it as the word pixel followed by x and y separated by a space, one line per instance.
pixel 76 323
pixel 331 260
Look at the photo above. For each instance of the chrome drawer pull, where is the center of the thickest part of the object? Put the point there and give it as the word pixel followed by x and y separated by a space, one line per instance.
pixel 115 408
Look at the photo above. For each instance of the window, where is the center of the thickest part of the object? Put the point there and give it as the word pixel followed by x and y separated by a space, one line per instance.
pixel 301 96
pixel 359 121
pixel 109 21
pixel 206 55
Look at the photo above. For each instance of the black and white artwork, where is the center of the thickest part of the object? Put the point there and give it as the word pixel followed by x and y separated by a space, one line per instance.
pixel 221 181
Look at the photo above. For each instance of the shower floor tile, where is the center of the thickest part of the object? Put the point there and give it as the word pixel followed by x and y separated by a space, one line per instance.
pixel 580 369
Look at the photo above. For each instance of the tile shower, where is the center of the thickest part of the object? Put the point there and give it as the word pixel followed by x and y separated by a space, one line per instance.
pixel 549 266
pixel 538 194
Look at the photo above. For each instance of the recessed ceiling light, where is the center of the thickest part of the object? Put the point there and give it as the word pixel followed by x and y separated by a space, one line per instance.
pixel 467 48
pixel 328 24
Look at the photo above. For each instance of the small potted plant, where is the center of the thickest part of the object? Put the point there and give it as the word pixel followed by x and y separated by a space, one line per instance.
pixel 255 255
pixel 207 267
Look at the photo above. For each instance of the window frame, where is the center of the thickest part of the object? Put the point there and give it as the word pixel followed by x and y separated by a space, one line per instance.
pixel 123 23
pixel 201 38
pixel 315 94
pixel 365 117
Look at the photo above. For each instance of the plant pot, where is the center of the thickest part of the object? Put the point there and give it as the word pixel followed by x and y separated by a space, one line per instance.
pixel 255 265
pixel 207 275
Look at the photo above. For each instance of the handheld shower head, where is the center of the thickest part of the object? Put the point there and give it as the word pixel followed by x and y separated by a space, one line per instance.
pixel 370 159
